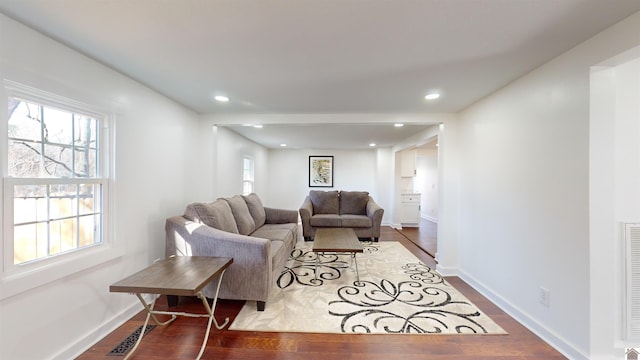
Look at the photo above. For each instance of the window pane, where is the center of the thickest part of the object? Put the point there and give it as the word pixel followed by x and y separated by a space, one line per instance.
pixel 24 161
pixel 29 203
pixel 57 161
pixel 24 130
pixel 63 200
pixel 86 163
pixel 30 242
pixel 24 120
pixel 85 145
pixel 25 240
pixel 88 228
pixel 88 198
pixel 62 236
pixel 58 126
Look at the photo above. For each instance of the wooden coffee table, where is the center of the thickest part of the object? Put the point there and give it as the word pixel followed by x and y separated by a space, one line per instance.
pixel 180 276
pixel 337 241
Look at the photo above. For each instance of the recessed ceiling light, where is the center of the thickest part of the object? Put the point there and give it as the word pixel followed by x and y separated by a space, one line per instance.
pixel 372 144
pixel 398 125
pixel 221 98
pixel 432 96
pixel 283 145
pixel 257 126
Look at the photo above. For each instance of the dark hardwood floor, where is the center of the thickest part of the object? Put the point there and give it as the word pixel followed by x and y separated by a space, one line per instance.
pixel 425 236
pixel 182 338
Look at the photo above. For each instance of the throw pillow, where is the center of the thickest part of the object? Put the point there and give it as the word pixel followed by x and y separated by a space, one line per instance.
pixel 256 209
pixel 241 214
pixel 324 202
pixel 217 215
pixel 354 202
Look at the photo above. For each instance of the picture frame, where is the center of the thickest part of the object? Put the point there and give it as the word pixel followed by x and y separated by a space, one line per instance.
pixel 320 171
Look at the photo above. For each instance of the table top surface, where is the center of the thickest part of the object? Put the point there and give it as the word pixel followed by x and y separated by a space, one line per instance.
pixel 178 275
pixel 336 240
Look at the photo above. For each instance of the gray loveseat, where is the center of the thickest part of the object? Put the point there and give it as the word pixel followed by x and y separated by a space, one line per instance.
pixel 258 238
pixel 352 209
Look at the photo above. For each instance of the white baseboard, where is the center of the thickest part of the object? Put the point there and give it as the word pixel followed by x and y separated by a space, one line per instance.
pixel 430 218
pixel 446 271
pixel 557 342
pixel 81 345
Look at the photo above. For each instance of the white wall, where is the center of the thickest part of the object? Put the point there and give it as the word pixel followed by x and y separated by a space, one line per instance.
pixel 615 191
pixel 354 170
pixel 524 197
pixel 157 169
pixel 426 181
pixel 229 149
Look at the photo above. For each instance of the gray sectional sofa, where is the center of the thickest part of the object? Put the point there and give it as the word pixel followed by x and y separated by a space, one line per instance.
pixel 352 209
pixel 258 238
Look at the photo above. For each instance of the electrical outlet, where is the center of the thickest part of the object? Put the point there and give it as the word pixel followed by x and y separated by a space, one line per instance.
pixel 545 297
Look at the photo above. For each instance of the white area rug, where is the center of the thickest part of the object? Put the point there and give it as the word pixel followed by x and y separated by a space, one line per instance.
pixel 396 294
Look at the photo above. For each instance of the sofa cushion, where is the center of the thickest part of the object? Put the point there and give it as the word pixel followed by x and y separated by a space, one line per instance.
pixel 274 233
pixel 354 202
pixel 256 209
pixel 244 220
pixel 326 220
pixel 292 228
pixel 324 202
pixel 216 214
pixel 356 221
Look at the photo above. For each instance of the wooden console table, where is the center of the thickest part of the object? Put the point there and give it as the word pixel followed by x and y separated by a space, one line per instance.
pixel 180 276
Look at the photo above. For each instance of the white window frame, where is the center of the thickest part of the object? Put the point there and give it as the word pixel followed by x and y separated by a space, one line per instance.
pixel 15 279
pixel 251 180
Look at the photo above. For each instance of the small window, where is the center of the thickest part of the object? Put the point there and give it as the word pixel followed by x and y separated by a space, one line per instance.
pixel 247 175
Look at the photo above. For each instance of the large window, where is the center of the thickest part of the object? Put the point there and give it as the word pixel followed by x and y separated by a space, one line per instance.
pixel 247 175
pixel 55 185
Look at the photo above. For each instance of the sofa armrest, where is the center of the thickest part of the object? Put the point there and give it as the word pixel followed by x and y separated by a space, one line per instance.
pixel 251 271
pixel 280 216
pixel 306 212
pixel 375 213
pixel 188 238
pixel 306 209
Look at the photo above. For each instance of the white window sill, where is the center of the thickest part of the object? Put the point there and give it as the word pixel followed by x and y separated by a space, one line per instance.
pixel 37 274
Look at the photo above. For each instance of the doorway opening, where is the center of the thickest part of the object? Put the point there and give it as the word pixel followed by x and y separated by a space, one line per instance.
pixel 423 185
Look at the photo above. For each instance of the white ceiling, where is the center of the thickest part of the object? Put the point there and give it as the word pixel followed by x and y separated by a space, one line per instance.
pixel 350 136
pixel 322 57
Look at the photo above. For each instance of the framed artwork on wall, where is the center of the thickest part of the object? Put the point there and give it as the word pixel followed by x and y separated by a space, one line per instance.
pixel 320 171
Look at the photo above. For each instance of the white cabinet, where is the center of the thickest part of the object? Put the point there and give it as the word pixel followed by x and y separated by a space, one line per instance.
pixel 408 163
pixel 410 210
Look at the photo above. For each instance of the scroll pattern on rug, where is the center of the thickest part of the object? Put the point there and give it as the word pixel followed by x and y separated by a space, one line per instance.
pixel 411 306
pixel 396 294
pixel 303 265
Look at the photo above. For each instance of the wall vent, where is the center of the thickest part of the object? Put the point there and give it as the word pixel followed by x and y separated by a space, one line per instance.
pixel 631 316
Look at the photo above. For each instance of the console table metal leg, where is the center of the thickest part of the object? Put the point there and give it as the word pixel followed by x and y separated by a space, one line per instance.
pixel 210 311
pixel 355 260
pixel 315 270
pixel 146 322
pixel 151 314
